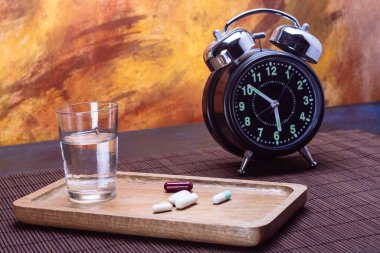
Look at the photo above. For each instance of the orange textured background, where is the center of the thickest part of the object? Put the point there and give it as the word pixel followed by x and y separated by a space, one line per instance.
pixel 147 56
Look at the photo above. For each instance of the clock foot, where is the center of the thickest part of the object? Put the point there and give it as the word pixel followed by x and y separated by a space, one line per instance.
pixel 247 157
pixel 306 154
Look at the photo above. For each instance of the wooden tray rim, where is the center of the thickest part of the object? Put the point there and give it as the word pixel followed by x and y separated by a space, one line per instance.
pixel 297 190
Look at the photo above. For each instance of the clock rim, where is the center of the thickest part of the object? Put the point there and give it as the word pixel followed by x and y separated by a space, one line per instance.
pixel 229 114
pixel 216 125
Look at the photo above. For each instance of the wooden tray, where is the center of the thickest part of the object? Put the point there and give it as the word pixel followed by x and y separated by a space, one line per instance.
pixel 254 213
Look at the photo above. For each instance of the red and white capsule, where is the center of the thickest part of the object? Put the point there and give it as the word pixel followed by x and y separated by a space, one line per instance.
pixel 178 186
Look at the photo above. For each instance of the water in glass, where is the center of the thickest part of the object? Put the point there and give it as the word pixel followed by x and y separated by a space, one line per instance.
pixel 90 163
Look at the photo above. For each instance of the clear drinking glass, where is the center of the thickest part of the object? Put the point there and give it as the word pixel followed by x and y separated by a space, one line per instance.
pixel 89 146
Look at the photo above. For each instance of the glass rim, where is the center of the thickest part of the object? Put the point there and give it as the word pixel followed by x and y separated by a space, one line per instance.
pixel 60 109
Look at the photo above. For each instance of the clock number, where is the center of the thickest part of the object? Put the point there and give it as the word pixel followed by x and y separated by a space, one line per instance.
pixel 247 90
pixel 287 74
pixel 256 77
pixel 241 106
pixel 305 100
pixel 302 117
pixel 247 121
pixel 260 129
pixel 271 71
pixel 299 83
pixel 293 129
pixel 276 135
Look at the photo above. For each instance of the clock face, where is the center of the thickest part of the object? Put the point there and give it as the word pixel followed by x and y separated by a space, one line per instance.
pixel 276 102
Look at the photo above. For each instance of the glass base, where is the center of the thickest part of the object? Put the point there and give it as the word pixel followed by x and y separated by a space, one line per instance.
pixel 90 197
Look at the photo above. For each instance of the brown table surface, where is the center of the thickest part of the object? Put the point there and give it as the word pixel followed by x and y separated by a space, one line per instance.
pixel 341 213
pixel 132 144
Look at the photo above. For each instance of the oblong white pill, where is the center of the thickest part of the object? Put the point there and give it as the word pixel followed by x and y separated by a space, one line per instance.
pixel 177 195
pixel 221 197
pixel 186 201
pixel 162 207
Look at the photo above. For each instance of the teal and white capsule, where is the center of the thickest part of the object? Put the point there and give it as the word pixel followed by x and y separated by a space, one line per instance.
pixel 221 197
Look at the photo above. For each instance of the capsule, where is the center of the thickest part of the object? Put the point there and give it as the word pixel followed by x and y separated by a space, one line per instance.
pixel 162 207
pixel 178 186
pixel 221 197
pixel 178 195
pixel 186 201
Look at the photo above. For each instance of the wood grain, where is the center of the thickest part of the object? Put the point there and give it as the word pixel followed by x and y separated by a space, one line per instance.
pixel 147 56
pixel 255 212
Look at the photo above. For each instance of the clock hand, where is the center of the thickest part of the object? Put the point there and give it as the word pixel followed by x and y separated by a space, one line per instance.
pixel 266 109
pixel 283 89
pixel 260 94
pixel 278 121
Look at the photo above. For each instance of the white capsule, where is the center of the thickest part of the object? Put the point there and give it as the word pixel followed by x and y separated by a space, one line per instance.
pixel 186 201
pixel 162 207
pixel 221 197
pixel 177 195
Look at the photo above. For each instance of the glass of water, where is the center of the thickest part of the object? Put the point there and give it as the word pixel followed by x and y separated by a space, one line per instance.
pixel 89 146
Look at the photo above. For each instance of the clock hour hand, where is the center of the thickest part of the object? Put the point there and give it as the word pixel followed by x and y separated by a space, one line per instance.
pixel 278 121
pixel 258 92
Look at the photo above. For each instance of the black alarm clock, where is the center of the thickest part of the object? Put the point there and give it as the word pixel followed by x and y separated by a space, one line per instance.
pixel 260 103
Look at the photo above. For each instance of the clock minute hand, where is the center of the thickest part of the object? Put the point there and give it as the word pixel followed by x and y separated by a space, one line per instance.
pixel 278 121
pixel 271 101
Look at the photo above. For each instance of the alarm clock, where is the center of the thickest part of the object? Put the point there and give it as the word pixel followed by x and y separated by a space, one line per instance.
pixel 261 103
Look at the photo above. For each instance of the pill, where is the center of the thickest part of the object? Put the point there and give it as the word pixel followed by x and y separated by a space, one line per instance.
pixel 221 197
pixel 186 201
pixel 177 195
pixel 162 207
pixel 178 186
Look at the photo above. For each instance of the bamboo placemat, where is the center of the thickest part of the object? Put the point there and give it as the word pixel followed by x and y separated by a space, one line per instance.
pixel 342 213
